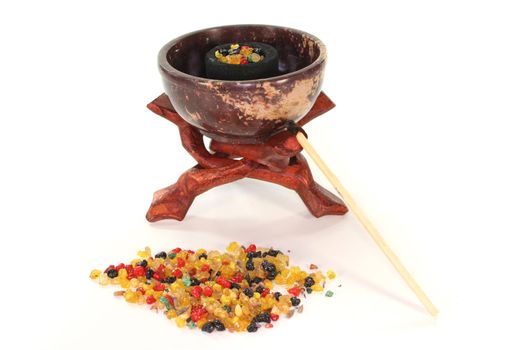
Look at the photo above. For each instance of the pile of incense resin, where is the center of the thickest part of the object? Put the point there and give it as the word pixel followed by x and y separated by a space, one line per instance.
pixel 211 290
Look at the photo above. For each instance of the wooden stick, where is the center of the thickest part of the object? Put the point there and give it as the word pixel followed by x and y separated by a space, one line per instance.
pixel 376 236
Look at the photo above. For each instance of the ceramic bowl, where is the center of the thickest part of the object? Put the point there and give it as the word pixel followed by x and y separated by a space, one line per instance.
pixel 243 111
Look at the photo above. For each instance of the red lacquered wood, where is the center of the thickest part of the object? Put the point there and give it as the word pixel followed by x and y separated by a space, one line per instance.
pixel 298 177
pixel 275 153
pixel 278 160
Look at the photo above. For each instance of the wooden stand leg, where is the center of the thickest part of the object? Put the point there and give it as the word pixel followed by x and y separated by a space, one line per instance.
pixel 298 177
pixel 174 201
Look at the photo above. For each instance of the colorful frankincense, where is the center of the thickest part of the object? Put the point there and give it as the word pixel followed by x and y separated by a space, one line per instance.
pixel 237 54
pixel 235 290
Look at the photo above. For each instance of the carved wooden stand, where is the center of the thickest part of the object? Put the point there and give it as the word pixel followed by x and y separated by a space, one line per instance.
pixel 278 161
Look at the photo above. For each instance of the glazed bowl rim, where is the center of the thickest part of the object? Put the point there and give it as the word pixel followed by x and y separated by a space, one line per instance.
pixel 168 69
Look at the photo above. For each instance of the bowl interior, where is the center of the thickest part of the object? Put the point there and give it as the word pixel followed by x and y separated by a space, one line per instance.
pixel 296 49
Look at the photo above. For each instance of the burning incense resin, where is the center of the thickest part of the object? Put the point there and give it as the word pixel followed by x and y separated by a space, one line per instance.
pixel 213 291
pixel 241 61
pixel 237 54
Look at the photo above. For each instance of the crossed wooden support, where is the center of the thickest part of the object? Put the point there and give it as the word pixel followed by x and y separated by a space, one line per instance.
pixel 278 161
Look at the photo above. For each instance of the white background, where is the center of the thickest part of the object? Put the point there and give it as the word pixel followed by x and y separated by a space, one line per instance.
pixel 427 135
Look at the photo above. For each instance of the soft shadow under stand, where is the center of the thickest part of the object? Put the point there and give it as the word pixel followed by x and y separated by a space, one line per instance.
pixel 278 160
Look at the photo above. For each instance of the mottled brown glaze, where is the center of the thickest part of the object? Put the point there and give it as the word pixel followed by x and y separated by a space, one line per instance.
pixel 247 111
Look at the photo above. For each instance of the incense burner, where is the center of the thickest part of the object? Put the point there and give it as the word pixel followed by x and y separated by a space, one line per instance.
pixel 244 118
pixel 242 111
